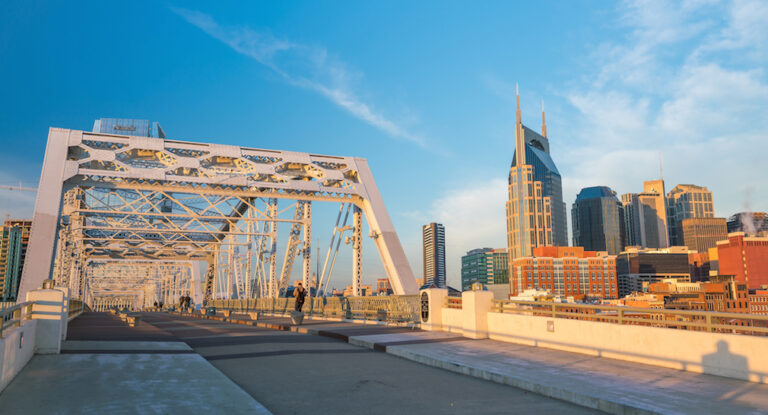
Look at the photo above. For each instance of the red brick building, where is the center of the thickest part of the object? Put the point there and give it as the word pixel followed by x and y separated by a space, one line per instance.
pixel 566 271
pixel 745 258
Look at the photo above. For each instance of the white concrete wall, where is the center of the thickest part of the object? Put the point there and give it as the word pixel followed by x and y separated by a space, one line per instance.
pixel 453 320
pixel 14 354
pixel 736 356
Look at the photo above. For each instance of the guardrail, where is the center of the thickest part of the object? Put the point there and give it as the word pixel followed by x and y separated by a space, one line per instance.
pixel 708 321
pixel 75 306
pixel 392 308
pixel 14 315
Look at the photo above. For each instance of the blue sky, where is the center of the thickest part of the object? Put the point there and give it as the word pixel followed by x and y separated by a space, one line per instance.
pixel 423 90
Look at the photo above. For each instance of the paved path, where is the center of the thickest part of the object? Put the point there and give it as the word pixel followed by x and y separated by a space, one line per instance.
pixel 613 386
pixel 295 373
pixel 110 368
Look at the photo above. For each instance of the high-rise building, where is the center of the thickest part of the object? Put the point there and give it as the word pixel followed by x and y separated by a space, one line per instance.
pixel 565 271
pixel 535 209
pixel 751 223
pixel 597 218
pixel 433 236
pixel 700 234
pixel 636 267
pixel 14 238
pixel 127 126
pixel 745 258
pixel 645 216
pixel 484 265
pixel 683 202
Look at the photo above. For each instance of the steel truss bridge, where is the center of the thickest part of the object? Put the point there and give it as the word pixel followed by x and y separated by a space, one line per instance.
pixel 121 219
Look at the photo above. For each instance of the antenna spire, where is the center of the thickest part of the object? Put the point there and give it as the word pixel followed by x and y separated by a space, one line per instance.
pixel 543 121
pixel 661 167
pixel 517 98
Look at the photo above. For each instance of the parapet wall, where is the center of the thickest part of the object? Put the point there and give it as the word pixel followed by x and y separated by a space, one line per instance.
pixel 737 356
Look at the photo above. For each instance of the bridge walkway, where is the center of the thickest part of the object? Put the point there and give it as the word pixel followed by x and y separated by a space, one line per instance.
pixel 173 364
pixel 292 372
pixel 611 385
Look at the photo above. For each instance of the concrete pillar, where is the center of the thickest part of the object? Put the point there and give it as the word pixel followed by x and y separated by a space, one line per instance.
pixel 48 310
pixel 475 306
pixel 431 308
pixel 65 320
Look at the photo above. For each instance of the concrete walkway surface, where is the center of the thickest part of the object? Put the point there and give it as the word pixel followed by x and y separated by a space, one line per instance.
pixel 136 375
pixel 610 385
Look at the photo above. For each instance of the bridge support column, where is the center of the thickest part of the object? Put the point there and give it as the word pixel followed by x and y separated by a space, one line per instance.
pixel 475 306
pixel 49 311
pixel 431 308
pixel 307 253
pixel 357 254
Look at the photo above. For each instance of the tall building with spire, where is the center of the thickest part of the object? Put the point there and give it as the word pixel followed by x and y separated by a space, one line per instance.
pixel 535 209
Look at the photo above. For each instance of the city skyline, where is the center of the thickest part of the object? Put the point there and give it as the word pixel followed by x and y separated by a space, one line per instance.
pixel 603 116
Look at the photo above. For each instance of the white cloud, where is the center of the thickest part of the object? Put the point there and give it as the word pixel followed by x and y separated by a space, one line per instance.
pixel 663 89
pixel 302 66
pixel 474 217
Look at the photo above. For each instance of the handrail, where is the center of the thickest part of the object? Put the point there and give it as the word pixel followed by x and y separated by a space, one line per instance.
pixel 710 321
pixel 17 314
pixel 392 308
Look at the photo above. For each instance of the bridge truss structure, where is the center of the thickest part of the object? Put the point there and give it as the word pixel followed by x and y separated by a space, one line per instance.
pixel 117 216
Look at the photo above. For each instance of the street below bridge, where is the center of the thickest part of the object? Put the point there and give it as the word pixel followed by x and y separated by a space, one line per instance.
pixel 156 368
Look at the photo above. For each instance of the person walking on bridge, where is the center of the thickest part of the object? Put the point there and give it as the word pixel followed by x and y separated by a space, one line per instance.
pixel 299 292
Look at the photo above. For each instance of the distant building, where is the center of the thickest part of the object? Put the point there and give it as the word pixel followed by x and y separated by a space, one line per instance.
pixel 565 271
pixel 14 238
pixel 745 258
pixel 723 294
pixel 597 218
pixel 383 286
pixel 645 216
pixel 700 234
pixel 365 290
pixel 687 201
pixel 485 265
pixel 433 236
pixel 535 210
pixel 127 126
pixel 758 302
pixel 751 223
pixel 638 268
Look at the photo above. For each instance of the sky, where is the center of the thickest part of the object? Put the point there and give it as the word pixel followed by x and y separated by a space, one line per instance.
pixel 423 90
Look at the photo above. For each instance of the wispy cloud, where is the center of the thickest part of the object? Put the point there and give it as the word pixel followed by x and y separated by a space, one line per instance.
pixel 302 66
pixel 682 82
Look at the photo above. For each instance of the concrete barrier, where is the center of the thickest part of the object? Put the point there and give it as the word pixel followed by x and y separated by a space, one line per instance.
pixel 730 355
pixel 16 349
pixel 736 356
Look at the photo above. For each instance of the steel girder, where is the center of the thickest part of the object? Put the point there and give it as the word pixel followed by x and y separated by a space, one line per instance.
pixel 113 196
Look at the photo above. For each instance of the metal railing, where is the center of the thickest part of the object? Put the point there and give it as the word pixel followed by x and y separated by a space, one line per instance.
pixel 392 308
pixel 708 321
pixel 75 306
pixel 453 302
pixel 13 316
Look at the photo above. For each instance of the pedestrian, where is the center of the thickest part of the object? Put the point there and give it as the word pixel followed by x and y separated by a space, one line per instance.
pixel 181 301
pixel 299 292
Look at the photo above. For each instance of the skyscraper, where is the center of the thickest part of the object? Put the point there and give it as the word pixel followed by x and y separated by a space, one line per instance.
pixel 535 209
pixel 701 234
pixel 687 201
pixel 126 126
pixel 645 216
pixel 597 218
pixel 14 238
pixel 484 265
pixel 433 236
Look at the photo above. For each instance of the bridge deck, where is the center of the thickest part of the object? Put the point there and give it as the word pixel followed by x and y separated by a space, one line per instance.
pixel 166 365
